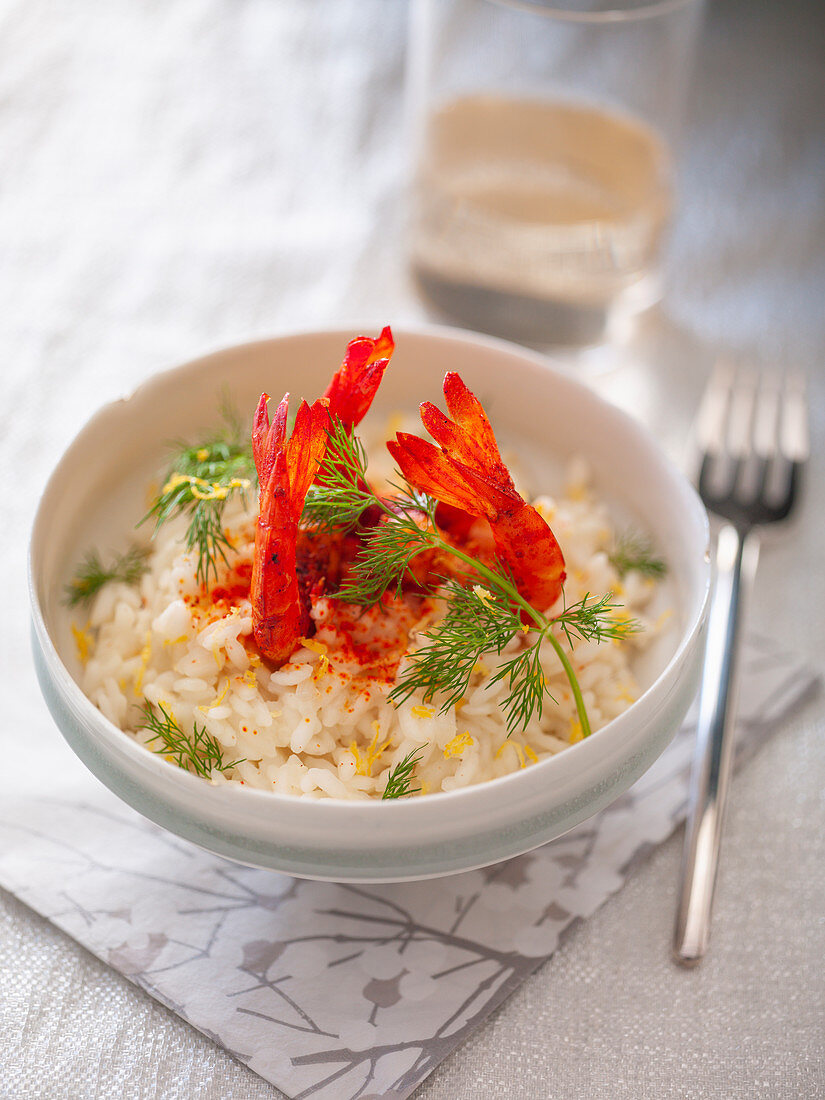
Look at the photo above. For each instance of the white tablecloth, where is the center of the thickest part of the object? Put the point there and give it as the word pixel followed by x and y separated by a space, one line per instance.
pixel 181 176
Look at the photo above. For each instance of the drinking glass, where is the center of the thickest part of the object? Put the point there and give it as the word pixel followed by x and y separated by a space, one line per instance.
pixel 543 137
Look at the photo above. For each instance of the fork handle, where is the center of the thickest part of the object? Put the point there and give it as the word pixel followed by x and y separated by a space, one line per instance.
pixel 736 558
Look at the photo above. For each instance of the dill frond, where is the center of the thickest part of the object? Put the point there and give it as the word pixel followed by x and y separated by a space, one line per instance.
pixel 474 624
pixel 92 574
pixel 525 676
pixel 198 752
pixel 592 619
pixel 385 559
pixel 198 483
pixel 401 777
pixel 480 622
pixel 634 552
pixel 339 496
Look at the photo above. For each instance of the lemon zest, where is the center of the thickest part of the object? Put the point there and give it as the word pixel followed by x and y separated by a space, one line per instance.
pixel 483 594
pixel 458 744
pixel 145 654
pixel 202 454
pixel 363 764
pixel 519 751
pixel 205 490
pixel 663 618
pixel 176 641
pixel 84 642
pixel 359 763
pixel 323 660
pixel 422 712
pixel 576 733
pixel 216 702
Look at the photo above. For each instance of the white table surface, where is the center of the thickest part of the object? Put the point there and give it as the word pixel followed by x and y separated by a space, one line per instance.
pixel 180 176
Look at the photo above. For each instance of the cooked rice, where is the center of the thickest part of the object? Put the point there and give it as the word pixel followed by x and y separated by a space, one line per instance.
pixel 319 727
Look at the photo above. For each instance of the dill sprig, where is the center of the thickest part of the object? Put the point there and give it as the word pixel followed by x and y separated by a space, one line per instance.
pixel 92 574
pixel 400 778
pixel 382 564
pixel 198 483
pixel 592 619
pixel 198 752
pixel 635 552
pixel 474 624
pixel 483 615
pixel 336 499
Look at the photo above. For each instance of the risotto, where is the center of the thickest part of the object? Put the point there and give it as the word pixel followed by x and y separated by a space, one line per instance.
pixel 336 636
pixel 321 725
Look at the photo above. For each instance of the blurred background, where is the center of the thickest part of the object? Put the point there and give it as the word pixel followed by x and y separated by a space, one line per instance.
pixel 182 175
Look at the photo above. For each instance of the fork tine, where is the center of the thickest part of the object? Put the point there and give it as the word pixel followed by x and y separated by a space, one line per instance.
pixel 794 440
pixel 760 447
pixel 715 469
pixel 713 411
pixel 766 416
pixel 741 415
pixel 792 448
pixel 748 469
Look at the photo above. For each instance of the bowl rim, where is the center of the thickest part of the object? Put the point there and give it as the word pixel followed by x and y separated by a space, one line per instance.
pixel 464 798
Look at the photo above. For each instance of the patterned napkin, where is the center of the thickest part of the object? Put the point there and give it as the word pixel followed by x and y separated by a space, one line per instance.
pixel 330 990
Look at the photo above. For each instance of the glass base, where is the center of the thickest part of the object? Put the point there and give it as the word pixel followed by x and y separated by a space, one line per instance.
pixel 538 321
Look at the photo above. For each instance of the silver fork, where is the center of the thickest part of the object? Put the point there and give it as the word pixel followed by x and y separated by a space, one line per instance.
pixel 752 433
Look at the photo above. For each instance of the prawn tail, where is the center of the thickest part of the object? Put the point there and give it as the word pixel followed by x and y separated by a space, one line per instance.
pixel 268 439
pixel 433 471
pixel 305 451
pixel 286 469
pixel 355 384
pixel 468 437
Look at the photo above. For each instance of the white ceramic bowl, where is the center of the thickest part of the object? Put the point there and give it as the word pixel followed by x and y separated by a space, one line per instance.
pixel 98 490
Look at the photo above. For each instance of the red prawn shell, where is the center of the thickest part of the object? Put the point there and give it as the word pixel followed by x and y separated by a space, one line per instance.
pixel 355 384
pixel 466 472
pixel 286 469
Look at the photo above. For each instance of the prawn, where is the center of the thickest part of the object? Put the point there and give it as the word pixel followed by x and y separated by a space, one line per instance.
pixel 290 564
pixel 355 383
pixel 286 469
pixel 465 472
